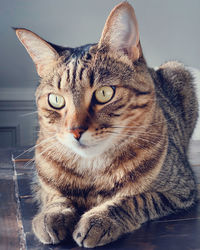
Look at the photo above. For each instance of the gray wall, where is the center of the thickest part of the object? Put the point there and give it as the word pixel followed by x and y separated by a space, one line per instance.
pixel 169 30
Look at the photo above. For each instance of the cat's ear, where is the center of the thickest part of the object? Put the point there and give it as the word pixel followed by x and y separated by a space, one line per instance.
pixel 41 52
pixel 121 33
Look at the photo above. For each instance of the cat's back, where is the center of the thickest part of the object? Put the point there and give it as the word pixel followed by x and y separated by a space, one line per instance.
pixel 176 96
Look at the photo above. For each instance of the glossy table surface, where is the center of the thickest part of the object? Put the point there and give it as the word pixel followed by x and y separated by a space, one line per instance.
pixel 180 231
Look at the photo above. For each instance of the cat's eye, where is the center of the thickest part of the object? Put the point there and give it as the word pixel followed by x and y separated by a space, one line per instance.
pixel 56 101
pixel 104 94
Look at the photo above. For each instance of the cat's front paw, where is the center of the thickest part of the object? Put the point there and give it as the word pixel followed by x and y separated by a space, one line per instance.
pixel 95 230
pixel 53 227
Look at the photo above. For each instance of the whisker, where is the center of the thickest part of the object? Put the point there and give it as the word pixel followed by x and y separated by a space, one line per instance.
pixel 32 148
pixel 138 126
pixel 46 132
pixel 31 113
pixel 132 136
pixel 174 116
pixel 142 132
pixel 46 149
pixel 29 162
pixel 58 154
pixel 32 160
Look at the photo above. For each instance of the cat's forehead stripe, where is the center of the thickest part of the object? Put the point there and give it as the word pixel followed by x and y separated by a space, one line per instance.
pixel 75 66
pixel 91 78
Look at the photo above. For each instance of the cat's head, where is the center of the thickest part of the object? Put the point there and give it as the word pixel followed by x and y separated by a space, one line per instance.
pixel 93 97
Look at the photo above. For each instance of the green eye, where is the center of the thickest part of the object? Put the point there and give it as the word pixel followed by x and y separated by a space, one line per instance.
pixel 56 101
pixel 104 94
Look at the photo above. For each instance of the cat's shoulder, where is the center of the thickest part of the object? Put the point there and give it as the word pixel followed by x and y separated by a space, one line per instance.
pixel 179 74
pixel 175 72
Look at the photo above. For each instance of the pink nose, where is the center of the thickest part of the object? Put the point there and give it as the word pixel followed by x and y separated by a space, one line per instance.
pixel 77 132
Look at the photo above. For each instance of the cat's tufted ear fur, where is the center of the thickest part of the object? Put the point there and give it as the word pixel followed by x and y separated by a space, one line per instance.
pixel 121 33
pixel 41 52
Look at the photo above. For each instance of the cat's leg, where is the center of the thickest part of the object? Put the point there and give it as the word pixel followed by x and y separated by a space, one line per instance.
pixel 55 221
pixel 107 222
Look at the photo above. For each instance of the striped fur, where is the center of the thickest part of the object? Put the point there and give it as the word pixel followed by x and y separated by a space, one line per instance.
pixel 129 164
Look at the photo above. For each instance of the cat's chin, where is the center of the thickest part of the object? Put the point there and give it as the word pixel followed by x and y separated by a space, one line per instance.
pixel 87 151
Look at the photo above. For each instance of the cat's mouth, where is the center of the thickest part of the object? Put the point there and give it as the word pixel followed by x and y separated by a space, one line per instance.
pixel 83 147
pixel 86 150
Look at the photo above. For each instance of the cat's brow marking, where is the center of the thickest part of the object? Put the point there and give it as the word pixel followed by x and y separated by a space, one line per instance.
pixel 59 83
pixel 81 73
pixel 68 75
pixel 91 78
pixel 137 91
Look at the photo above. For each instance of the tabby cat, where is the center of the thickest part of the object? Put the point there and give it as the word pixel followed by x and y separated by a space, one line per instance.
pixel 111 152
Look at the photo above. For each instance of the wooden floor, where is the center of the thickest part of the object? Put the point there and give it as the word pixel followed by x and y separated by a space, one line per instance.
pixel 176 232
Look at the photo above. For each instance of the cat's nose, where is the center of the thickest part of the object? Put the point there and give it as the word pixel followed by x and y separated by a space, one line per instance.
pixel 77 132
